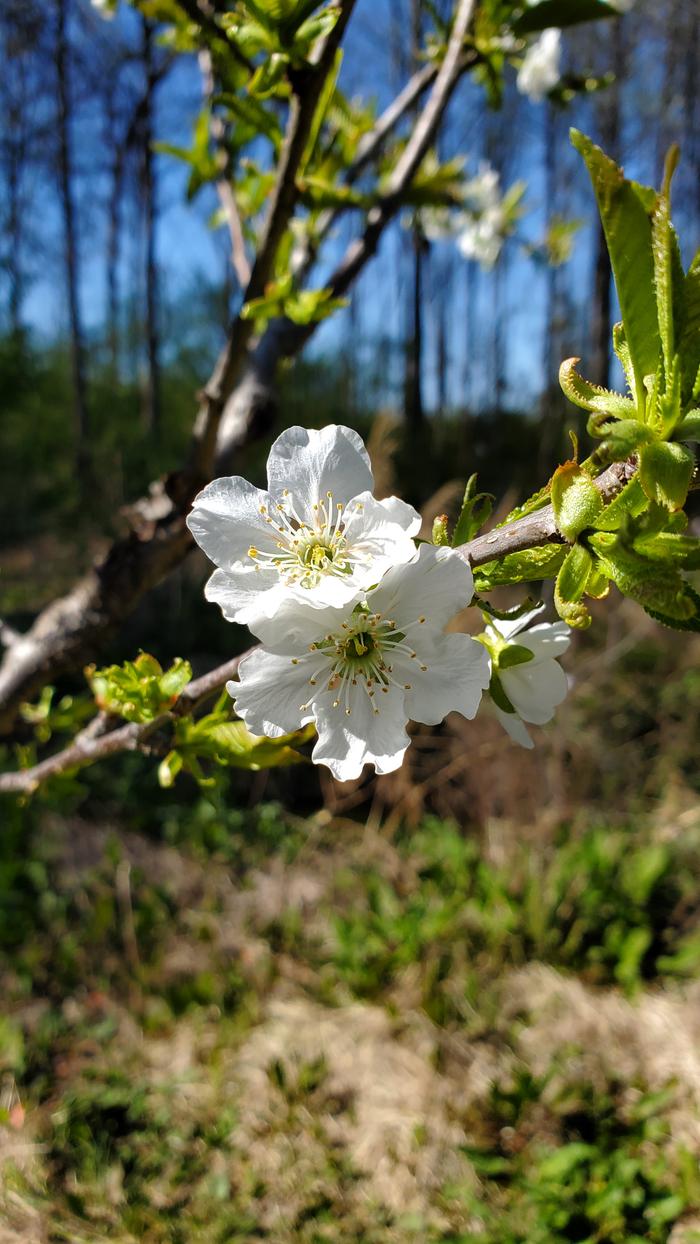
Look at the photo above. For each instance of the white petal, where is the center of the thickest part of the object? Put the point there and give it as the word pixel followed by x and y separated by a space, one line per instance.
pixel 310 463
pixel 382 533
pixel 225 520
pixel 548 640
pixel 508 627
pixel 246 596
pixel 346 744
pixel 515 727
pixel 458 672
pixel 436 585
pixel 295 625
pixel 270 692
pixel 535 689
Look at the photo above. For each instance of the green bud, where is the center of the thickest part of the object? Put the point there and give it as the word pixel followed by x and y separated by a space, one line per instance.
pixel 440 532
pixel 575 499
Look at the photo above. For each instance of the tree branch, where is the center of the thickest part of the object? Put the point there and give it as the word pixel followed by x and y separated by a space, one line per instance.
pixel 538 527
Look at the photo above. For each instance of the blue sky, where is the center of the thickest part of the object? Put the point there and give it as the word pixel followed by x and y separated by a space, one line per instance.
pixel 189 251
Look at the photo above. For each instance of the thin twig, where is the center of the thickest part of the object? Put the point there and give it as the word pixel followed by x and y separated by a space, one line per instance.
pixel 92 745
pixel 224 188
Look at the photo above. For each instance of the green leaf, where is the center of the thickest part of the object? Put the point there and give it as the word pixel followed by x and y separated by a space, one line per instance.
pixel 689 427
pixel 321 110
pixel 659 588
pixel 570 586
pixel 666 471
pixel 514 654
pixel 575 499
pixel 686 614
pixel 668 270
pixel 689 347
pixel 561 1164
pixel 476 510
pixel 542 562
pixel 620 437
pixel 560 13
pixel 624 209
pixel 631 953
pixel 499 696
pixel 667 546
pixel 629 502
pixel 592 396
pixel 138 690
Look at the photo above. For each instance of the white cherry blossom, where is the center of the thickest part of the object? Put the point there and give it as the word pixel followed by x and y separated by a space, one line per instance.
pixel 317 535
pixel 541 68
pixel 360 673
pixel 530 689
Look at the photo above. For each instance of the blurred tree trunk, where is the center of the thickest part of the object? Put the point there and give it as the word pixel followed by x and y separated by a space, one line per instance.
pixel 152 397
pixel 114 232
pixel 15 160
pixel 71 257
pixel 441 299
pixel 610 135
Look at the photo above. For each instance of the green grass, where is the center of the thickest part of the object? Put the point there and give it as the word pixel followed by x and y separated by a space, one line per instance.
pixel 137 979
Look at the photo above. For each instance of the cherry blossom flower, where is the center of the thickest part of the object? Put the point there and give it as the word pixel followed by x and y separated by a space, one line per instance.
pixel 527 682
pixel 360 673
pixel 541 67
pixel 316 536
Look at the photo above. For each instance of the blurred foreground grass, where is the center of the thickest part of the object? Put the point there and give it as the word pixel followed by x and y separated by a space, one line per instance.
pixel 249 1026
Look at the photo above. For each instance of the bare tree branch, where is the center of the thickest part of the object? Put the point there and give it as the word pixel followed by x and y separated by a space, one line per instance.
pixel 96 742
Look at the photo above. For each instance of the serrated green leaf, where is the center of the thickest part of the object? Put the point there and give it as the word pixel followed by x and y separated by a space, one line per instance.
pixel 621 437
pixel 624 209
pixel 689 427
pixel 668 546
pixel 592 396
pixel 665 471
pixel 630 501
pixel 657 587
pixel 668 270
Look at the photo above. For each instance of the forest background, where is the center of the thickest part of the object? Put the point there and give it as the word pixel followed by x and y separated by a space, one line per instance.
pixel 456 1003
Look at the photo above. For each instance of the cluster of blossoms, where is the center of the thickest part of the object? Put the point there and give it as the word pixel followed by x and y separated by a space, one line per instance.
pixel 482 222
pixel 352 614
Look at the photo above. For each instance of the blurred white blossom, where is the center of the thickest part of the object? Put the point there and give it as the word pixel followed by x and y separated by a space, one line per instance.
pixel 541 67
